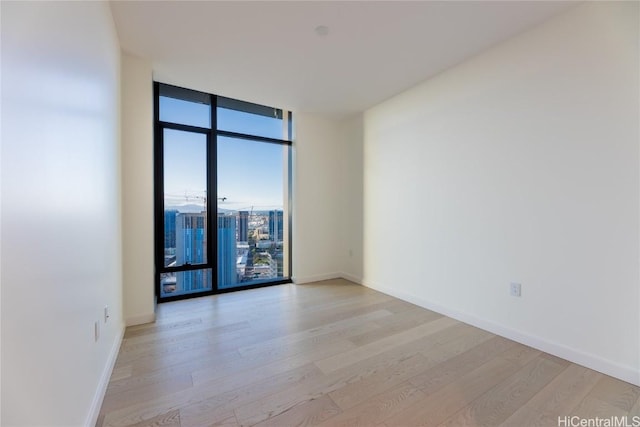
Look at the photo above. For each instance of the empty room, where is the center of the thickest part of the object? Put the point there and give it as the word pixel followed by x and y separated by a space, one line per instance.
pixel 331 213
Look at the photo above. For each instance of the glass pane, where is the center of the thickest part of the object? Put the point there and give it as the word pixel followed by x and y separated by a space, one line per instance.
pixel 251 234
pixel 253 119
pixel 185 112
pixel 185 196
pixel 185 282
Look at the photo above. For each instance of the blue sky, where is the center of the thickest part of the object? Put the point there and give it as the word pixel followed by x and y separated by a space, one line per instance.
pixel 250 173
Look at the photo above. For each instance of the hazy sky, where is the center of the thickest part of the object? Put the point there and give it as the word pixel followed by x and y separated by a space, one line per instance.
pixel 249 173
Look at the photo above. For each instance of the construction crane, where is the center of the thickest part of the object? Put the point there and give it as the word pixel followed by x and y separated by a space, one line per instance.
pixel 190 197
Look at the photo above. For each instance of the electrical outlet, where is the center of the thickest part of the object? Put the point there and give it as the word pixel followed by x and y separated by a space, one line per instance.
pixel 516 289
pixel 96 330
pixel 106 313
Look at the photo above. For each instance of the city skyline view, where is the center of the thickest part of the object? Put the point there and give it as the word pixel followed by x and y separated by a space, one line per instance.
pixel 250 248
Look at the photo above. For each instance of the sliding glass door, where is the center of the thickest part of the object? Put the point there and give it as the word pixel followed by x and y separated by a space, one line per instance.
pixel 236 154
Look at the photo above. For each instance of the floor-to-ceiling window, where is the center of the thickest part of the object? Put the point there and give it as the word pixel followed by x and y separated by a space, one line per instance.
pixel 222 199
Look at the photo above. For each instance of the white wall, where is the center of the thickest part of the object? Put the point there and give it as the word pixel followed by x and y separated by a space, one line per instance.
pixel 317 198
pixel 351 191
pixel 61 246
pixel 519 165
pixel 328 197
pixel 137 190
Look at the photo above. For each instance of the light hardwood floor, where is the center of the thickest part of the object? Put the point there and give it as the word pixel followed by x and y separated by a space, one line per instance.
pixel 338 354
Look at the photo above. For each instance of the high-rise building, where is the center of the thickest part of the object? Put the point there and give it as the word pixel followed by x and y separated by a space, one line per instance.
pixel 227 271
pixel 243 226
pixel 275 225
pixel 170 228
pixel 191 248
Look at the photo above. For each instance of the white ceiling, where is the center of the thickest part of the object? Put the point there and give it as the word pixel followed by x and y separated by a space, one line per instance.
pixel 268 52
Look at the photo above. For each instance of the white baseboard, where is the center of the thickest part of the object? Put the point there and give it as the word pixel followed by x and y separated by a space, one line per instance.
pixel 351 278
pixel 140 319
pixel 98 397
pixel 624 373
pixel 318 278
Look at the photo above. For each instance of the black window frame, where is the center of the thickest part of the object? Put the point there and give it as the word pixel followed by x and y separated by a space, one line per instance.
pixel 212 134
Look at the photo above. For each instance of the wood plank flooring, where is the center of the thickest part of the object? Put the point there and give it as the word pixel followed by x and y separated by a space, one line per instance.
pixel 337 354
